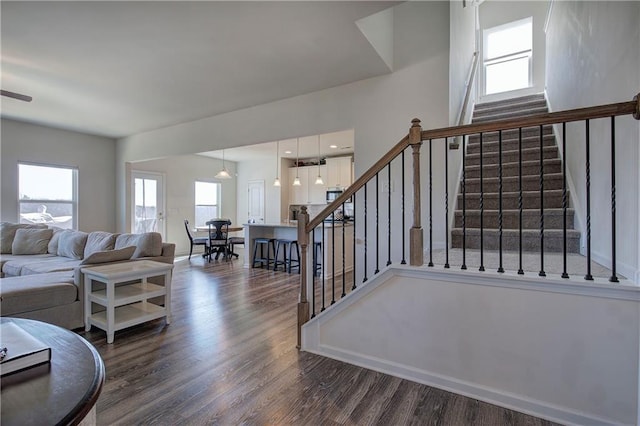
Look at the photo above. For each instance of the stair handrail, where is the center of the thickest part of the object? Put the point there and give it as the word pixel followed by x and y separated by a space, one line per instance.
pixel 601 111
pixel 468 84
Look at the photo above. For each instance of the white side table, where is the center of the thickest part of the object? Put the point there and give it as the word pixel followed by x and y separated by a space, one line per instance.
pixel 126 304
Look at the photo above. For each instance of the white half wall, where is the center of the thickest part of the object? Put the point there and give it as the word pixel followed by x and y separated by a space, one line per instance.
pixel 561 350
pixel 593 61
pixel 94 156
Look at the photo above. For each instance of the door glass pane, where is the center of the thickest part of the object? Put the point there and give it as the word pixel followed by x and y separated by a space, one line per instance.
pixel 145 197
pixel 507 75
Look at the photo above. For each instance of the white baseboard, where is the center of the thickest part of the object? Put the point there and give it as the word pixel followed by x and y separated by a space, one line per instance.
pixel 471 390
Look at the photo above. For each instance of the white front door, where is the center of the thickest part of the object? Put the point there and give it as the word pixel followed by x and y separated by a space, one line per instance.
pixel 256 201
pixel 148 202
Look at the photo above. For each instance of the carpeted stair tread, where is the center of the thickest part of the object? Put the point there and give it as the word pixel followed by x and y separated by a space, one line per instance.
pixel 553 218
pixel 512 183
pixel 553 239
pixel 529 154
pixel 509 115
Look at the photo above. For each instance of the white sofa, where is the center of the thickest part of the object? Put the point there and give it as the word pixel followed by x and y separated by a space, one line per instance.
pixel 40 267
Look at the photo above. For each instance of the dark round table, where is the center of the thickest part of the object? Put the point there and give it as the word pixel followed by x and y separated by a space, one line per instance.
pixel 60 392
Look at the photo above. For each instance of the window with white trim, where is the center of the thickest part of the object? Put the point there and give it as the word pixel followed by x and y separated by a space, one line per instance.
pixel 48 194
pixel 207 202
pixel 507 54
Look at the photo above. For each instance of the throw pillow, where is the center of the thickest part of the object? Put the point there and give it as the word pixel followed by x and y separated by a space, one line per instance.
pixel 31 241
pixel 8 232
pixel 71 244
pixel 53 243
pixel 109 256
pixel 99 241
pixel 148 244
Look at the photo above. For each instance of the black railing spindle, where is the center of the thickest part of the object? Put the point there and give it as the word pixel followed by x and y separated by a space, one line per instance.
pixel 520 270
pixel 377 228
pixel 500 268
pixel 353 201
pixel 588 275
pixel 481 268
pixel 464 201
pixel 541 273
pixel 333 257
pixel 344 272
pixel 564 201
pixel 324 268
pixel 446 202
pixel 404 228
pixel 389 213
pixel 613 278
pixel 313 276
pixel 430 205
pixel 364 262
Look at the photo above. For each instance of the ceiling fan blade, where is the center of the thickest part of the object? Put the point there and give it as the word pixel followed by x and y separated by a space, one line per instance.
pixel 14 95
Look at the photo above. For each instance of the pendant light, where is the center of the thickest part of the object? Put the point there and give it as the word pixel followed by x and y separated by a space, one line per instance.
pixel 296 181
pixel 319 180
pixel 277 181
pixel 223 174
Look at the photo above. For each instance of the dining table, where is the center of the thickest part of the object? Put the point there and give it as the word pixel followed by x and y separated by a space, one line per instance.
pixel 230 230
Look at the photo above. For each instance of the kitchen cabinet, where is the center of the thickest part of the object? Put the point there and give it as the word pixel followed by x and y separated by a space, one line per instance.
pixel 308 192
pixel 339 172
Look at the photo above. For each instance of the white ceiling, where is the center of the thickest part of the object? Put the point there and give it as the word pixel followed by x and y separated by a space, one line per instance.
pixel 308 148
pixel 121 68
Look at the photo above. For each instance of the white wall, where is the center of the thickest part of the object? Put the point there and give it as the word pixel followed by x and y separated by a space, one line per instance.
pixel 560 350
pixel 493 13
pixel 94 156
pixel 180 174
pixel 462 39
pixel 595 60
pixel 380 109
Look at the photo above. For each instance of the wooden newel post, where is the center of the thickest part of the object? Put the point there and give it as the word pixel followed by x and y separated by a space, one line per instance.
pixel 303 242
pixel 416 239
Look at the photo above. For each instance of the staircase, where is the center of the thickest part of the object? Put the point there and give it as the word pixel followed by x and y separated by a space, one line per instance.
pixel 490 216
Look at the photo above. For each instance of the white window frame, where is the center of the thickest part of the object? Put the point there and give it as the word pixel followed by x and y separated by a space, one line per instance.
pixel 218 199
pixel 486 62
pixel 73 202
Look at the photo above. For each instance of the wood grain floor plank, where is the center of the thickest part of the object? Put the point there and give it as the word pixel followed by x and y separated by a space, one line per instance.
pixel 228 357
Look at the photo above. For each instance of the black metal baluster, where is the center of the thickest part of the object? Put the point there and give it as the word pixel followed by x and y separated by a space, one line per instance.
pixel 564 201
pixel 500 268
pixel 364 278
pixel 389 213
pixel 520 270
pixel 404 229
pixel 541 273
pixel 344 273
pixel 313 276
pixel 613 278
pixel 446 202
pixel 464 203
pixel 353 201
pixel 588 275
pixel 481 268
pixel 324 267
pixel 333 257
pixel 430 205
pixel 377 228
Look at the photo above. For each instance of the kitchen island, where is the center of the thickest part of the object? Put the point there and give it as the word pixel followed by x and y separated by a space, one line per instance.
pixel 333 231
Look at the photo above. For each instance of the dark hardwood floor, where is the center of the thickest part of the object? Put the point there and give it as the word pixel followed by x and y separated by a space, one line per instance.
pixel 229 357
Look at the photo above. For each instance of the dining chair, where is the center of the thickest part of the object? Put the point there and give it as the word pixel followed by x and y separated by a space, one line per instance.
pixel 194 241
pixel 219 237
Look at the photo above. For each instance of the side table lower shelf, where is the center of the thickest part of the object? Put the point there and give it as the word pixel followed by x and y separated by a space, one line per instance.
pixel 128 315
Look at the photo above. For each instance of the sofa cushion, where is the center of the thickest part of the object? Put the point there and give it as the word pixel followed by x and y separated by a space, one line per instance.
pixel 99 241
pixel 8 232
pixel 109 256
pixel 71 244
pixel 31 241
pixel 12 264
pixel 148 244
pixel 52 264
pixel 53 242
pixel 30 293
